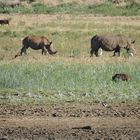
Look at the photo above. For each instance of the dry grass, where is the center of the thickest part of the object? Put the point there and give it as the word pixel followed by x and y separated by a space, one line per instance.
pixel 43 18
pixel 56 2
pixel 56 26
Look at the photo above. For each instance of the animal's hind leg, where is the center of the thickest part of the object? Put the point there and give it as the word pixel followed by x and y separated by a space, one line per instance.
pixel 23 50
pixel 91 52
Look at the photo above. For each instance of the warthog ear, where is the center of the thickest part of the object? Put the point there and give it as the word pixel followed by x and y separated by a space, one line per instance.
pixel 133 42
pixel 50 42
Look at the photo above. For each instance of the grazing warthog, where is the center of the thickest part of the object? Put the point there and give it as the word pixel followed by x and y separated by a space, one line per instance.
pixel 121 76
pixel 36 43
pixel 11 3
pixel 111 43
pixel 4 21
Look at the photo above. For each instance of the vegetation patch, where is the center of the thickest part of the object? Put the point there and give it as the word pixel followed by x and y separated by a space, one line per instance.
pixel 70 75
pixel 70 82
pixel 128 9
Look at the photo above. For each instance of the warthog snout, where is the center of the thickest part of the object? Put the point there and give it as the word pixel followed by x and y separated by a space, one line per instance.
pixel 50 48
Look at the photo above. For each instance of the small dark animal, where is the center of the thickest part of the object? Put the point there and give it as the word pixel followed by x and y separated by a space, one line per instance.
pixel 83 127
pixel 4 21
pixel 121 76
pixel 30 1
pixel 111 43
pixel 36 43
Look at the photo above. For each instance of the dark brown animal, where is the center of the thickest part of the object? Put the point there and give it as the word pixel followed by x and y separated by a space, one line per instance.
pixel 111 43
pixel 36 43
pixel 4 21
pixel 121 76
pixel 30 1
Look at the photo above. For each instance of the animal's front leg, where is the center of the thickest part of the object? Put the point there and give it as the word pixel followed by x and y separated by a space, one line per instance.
pixel 119 52
pixel 114 53
pixel 45 50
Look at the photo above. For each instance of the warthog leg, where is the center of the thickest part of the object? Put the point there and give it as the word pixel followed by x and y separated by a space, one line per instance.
pixel 117 50
pixel 23 50
pixel 91 52
pixel 44 50
pixel 94 52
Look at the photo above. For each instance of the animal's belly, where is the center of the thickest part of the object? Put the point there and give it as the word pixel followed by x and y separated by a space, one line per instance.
pixel 107 45
pixel 106 48
pixel 35 46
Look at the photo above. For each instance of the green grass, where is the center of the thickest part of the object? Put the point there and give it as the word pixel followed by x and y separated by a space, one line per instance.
pixel 129 9
pixel 76 82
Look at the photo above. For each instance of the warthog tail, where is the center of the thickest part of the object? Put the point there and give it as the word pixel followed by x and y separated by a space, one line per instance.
pixel 18 54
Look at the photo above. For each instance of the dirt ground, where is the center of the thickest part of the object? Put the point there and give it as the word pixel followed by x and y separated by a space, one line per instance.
pixel 70 121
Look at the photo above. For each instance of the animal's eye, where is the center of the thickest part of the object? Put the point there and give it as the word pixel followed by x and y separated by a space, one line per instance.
pixel 133 42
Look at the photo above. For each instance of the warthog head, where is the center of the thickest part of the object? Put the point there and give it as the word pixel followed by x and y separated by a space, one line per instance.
pixel 49 47
pixel 130 48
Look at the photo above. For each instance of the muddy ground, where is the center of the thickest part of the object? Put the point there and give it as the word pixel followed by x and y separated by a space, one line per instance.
pixel 70 121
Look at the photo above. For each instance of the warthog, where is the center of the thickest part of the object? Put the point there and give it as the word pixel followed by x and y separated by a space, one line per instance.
pixel 121 76
pixel 111 43
pixel 36 43
pixel 11 3
pixel 4 21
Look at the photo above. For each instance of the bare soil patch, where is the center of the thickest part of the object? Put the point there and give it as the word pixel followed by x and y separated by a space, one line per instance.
pixel 70 121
